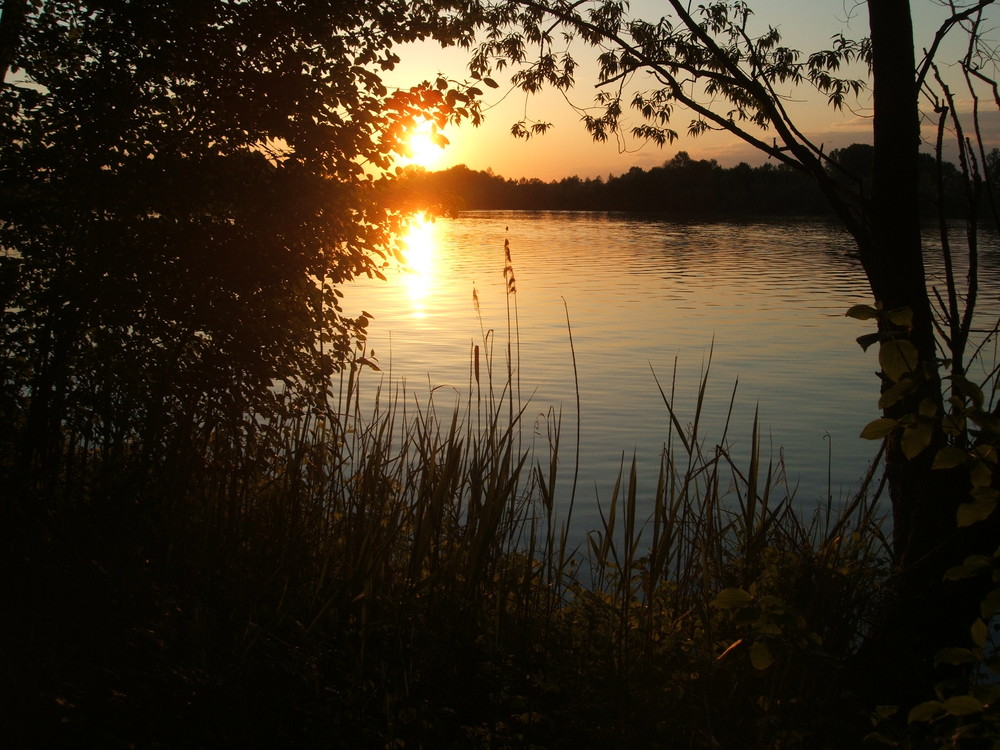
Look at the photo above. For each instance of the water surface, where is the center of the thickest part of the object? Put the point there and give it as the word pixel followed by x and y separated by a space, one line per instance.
pixel 764 301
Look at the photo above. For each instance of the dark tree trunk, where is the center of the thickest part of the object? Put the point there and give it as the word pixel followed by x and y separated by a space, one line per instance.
pixel 894 261
pixel 925 613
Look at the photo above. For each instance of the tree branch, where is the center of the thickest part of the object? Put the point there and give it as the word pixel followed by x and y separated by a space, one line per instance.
pixel 942 32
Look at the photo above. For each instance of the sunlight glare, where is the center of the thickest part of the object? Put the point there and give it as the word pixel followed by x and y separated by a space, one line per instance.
pixel 418 259
pixel 421 145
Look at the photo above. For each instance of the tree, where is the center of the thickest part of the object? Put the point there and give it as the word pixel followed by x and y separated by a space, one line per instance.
pixel 185 185
pixel 713 63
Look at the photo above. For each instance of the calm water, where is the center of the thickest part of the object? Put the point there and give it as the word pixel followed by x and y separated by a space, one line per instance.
pixel 641 296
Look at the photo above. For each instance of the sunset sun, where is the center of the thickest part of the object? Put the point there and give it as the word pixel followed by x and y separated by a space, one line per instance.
pixel 425 145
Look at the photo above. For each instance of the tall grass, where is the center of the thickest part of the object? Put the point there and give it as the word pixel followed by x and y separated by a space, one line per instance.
pixel 384 569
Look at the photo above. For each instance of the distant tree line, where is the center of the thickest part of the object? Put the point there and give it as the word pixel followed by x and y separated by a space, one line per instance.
pixel 681 186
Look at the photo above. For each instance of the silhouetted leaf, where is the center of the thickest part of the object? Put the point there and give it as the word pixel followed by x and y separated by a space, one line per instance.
pixel 915 439
pixel 963 705
pixel 979 632
pixel 868 339
pixel 879 428
pixel 730 598
pixel 901 317
pixel 954 656
pixel 949 457
pixel 862 312
pixel 760 655
pixel 974 512
pixel 926 711
pixel 897 357
pixel 972 565
pixel 893 395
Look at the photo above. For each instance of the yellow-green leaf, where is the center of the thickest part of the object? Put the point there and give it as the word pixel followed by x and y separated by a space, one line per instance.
pixel 926 711
pixel 732 598
pixel 962 705
pixel 953 424
pixel 981 474
pixel 978 510
pixel 949 457
pixel 897 357
pixel 954 656
pixel 915 439
pixel 862 312
pixel 970 389
pixel 991 604
pixel 868 339
pixel 904 387
pixel 984 494
pixel 980 633
pixel 987 453
pixel 972 565
pixel 760 655
pixel 902 316
pixel 928 408
pixel 878 428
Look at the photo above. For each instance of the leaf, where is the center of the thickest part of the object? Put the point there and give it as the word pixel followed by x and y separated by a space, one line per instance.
pixel 927 408
pixel 884 712
pixel 897 357
pixel 955 656
pixel 491 83
pixel 892 395
pixel 760 655
pixel 868 339
pixel 980 632
pixel 963 705
pixel 915 439
pixel 953 424
pixel 972 565
pixel 926 711
pixel 987 453
pixel 902 316
pixel 862 312
pixel 978 510
pixel 991 604
pixel 879 428
pixel 966 387
pixel 949 457
pixel 981 474
pixel 732 598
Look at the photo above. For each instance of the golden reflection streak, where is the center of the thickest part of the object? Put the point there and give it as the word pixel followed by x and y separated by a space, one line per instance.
pixel 418 260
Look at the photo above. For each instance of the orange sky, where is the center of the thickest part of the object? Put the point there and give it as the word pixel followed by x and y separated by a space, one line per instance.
pixel 567 149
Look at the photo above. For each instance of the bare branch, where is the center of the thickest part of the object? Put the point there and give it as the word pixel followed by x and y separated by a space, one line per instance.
pixel 942 32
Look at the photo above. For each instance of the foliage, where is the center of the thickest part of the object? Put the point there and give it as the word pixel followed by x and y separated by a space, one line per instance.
pixel 398 575
pixel 734 75
pixel 185 186
pixel 681 187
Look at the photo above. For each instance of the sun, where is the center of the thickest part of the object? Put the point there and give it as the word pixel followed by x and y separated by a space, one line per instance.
pixel 425 145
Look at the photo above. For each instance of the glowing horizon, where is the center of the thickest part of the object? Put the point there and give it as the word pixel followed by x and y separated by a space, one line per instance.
pixel 568 151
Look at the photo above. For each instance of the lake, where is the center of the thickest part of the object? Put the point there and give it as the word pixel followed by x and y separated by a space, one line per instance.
pixel 765 301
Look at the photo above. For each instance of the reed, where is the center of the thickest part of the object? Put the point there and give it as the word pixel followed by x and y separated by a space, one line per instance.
pixel 398 571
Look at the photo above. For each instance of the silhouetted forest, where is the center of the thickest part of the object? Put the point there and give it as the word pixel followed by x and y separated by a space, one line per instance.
pixel 681 186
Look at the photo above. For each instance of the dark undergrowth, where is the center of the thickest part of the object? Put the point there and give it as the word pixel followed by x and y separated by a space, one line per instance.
pixel 388 577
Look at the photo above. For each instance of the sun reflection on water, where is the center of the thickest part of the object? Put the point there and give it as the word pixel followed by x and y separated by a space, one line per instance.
pixel 418 258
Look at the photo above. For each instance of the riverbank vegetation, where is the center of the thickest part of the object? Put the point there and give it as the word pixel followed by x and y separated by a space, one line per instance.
pixel 400 576
pixel 681 187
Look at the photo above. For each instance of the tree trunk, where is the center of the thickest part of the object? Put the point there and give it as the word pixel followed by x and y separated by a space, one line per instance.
pixel 925 613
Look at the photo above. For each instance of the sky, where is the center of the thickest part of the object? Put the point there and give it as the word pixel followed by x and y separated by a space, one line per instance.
pixel 568 150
